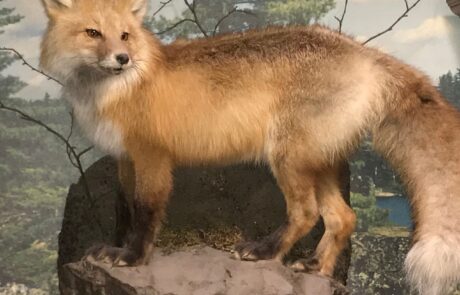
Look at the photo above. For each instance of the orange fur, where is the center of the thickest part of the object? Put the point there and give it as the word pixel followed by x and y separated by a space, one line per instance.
pixel 298 99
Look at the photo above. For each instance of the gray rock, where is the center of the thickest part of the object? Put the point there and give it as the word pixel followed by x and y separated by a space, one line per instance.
pixel 217 207
pixel 377 265
pixel 196 270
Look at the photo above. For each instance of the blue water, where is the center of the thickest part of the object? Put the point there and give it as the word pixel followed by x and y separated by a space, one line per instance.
pixel 399 210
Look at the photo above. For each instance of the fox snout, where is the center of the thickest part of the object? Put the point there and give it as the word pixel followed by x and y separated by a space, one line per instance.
pixel 115 62
pixel 122 59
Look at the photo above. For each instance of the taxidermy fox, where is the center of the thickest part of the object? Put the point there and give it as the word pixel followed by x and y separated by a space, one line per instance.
pixel 299 99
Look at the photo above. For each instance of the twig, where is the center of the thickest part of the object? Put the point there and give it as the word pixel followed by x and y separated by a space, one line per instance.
pixel 85 151
pixel 216 27
pixel 192 8
pixel 174 26
pixel 407 4
pixel 74 157
pixel 68 150
pixel 340 20
pixel 234 10
pixel 71 125
pixel 24 62
pixel 64 140
pixel 408 9
pixel 163 5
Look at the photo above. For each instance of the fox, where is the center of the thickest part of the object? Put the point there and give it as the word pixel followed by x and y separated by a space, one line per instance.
pixel 299 99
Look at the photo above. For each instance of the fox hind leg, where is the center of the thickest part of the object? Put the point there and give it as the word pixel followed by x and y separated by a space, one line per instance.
pixel 339 220
pixel 309 192
pixel 297 185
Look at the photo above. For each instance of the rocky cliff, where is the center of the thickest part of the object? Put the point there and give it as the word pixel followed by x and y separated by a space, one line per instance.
pixel 213 207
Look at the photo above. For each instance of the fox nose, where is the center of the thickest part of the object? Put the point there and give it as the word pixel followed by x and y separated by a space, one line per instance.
pixel 122 58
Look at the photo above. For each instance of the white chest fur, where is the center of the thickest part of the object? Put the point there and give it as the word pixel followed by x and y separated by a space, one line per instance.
pixel 101 131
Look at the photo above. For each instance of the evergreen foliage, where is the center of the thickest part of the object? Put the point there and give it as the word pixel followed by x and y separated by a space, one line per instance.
pixel 449 85
pixel 35 172
pixel 34 178
pixel 250 14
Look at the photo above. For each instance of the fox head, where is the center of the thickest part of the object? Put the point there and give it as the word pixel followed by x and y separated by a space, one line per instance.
pixel 93 38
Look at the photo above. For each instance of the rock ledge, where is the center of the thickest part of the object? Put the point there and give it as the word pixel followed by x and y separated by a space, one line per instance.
pixel 195 270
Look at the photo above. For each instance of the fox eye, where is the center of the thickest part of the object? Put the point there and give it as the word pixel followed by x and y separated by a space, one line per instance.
pixel 92 33
pixel 125 36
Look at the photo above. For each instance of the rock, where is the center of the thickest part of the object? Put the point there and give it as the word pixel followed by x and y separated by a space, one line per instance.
pixel 377 266
pixel 20 289
pixel 194 270
pixel 217 207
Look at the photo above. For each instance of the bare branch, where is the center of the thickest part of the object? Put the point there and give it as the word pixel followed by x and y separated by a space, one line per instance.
pixel 407 4
pixel 24 62
pixel 216 27
pixel 71 125
pixel 340 20
pixel 192 8
pixel 163 5
pixel 408 9
pixel 233 11
pixel 72 154
pixel 74 157
pixel 85 151
pixel 175 25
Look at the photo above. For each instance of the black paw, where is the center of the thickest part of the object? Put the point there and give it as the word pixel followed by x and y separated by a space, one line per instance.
pixel 253 251
pixel 306 265
pixel 113 255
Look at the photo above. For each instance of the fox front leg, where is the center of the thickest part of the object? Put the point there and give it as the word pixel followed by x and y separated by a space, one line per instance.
pixel 153 183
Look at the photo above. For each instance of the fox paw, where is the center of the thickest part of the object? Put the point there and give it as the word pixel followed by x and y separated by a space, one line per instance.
pixel 306 265
pixel 113 255
pixel 253 251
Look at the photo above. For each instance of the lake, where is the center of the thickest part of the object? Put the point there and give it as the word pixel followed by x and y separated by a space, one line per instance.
pixel 399 209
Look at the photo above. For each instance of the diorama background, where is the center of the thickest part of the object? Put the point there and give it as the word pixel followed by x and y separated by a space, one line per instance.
pixel 35 172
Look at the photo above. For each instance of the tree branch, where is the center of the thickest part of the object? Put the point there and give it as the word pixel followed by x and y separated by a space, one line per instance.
pixel 163 5
pixel 192 8
pixel 233 11
pixel 340 20
pixel 71 125
pixel 72 154
pixel 195 20
pixel 408 9
pixel 174 26
pixel 24 62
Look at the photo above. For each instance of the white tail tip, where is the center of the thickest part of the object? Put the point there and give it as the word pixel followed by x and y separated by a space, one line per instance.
pixel 433 265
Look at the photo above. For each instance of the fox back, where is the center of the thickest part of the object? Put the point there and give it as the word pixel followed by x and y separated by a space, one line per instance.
pixel 299 99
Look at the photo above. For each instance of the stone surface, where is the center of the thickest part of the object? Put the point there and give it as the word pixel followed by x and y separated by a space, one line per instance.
pixel 196 270
pixel 217 207
pixel 377 265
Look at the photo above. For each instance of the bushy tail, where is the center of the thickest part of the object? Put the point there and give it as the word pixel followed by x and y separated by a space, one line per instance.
pixel 420 135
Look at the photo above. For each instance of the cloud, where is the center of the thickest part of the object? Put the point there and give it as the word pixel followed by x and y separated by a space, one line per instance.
pixel 432 28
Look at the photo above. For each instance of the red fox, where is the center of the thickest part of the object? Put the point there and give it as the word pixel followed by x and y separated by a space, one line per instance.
pixel 299 99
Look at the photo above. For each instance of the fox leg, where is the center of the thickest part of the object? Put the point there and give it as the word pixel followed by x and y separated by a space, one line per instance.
pixel 339 220
pixel 297 185
pixel 152 188
pixel 127 178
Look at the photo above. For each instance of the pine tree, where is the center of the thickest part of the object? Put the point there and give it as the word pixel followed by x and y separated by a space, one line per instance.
pixel 253 13
pixel 449 85
pixel 297 11
pixel 9 85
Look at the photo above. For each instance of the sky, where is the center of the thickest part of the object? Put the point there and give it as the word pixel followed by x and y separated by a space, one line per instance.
pixel 428 39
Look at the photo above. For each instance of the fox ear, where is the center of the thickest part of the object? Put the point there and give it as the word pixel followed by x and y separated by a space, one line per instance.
pixel 139 8
pixel 53 7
